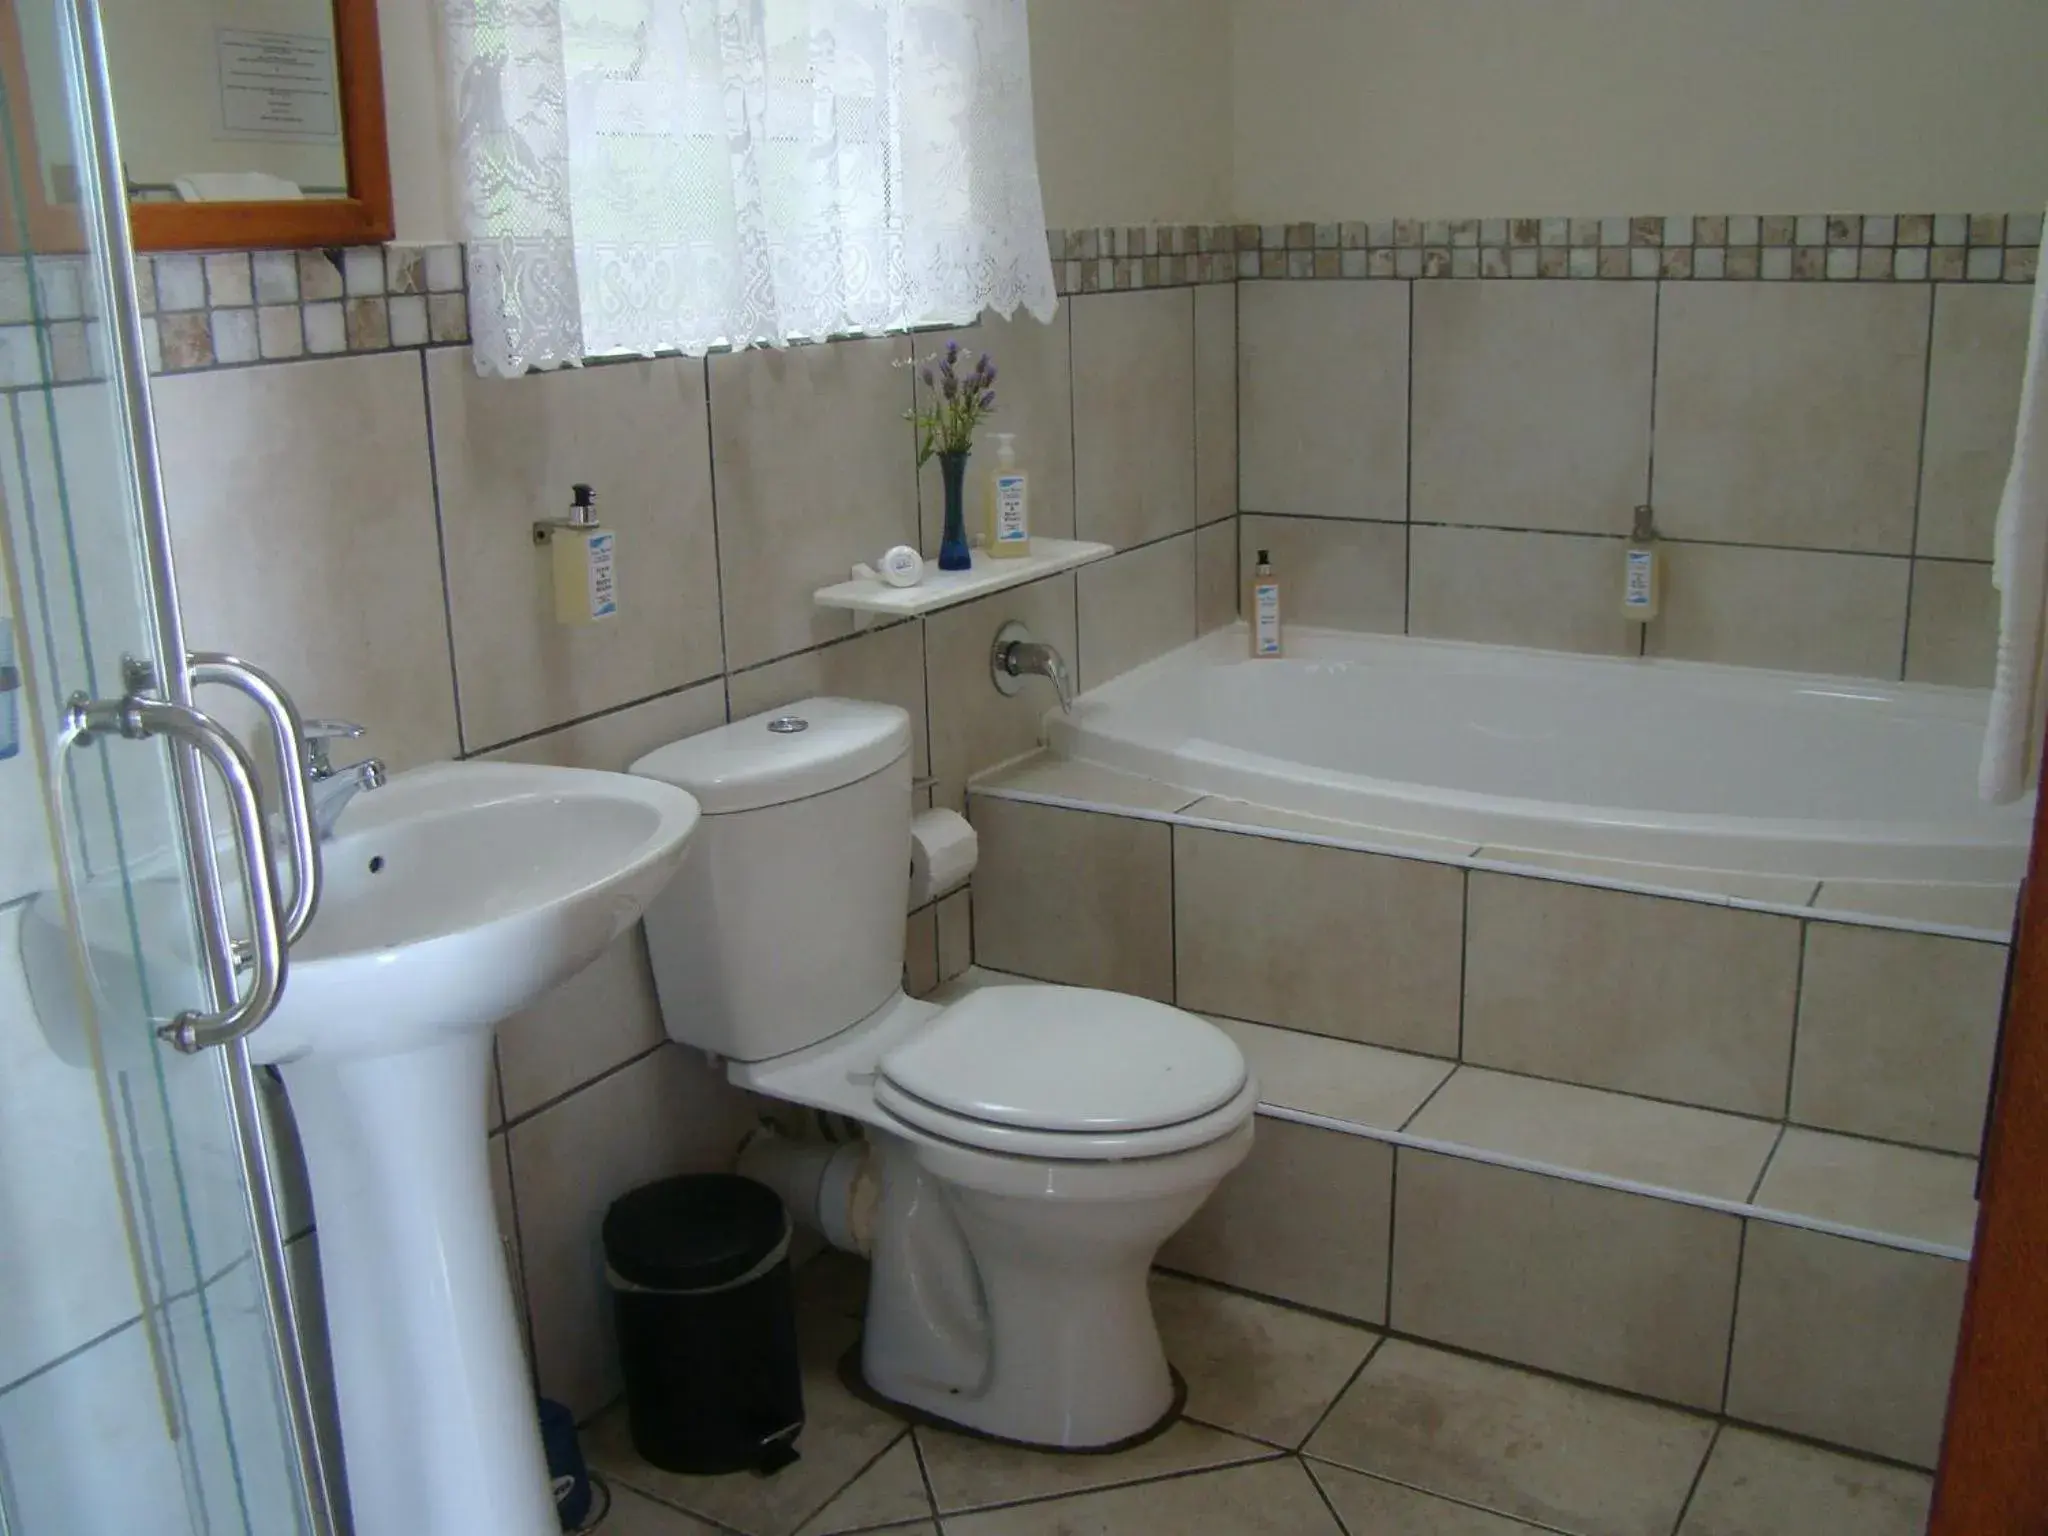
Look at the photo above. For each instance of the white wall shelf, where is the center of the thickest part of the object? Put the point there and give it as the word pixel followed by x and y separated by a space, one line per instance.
pixel 869 600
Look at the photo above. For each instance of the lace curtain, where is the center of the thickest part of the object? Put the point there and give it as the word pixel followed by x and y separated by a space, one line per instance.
pixel 643 176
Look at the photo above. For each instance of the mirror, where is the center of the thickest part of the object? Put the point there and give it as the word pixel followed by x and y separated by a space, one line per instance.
pixel 243 123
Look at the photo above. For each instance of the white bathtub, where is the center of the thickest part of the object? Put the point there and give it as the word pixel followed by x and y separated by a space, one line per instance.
pixel 1727 768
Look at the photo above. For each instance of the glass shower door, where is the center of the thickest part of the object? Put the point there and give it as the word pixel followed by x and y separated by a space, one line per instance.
pixel 149 1380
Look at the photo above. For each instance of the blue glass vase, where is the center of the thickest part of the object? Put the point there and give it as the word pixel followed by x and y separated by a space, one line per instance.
pixel 954 555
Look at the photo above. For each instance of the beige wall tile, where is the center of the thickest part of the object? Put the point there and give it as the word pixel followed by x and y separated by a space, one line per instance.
pixel 1759 1482
pixel 1532 403
pixel 1257 1233
pixel 1035 400
pixel 1873 1185
pixel 1216 576
pixel 1845 1342
pixel 816 470
pixel 1671 1146
pixel 956 934
pixel 921 951
pixel 302 520
pixel 1952 630
pixel 1896 1034
pixel 1133 607
pixel 614 742
pixel 1574 1458
pixel 885 666
pixel 1215 402
pixel 1355 945
pixel 1790 414
pixel 1253 1367
pixel 1323 398
pixel 667 1113
pixel 1074 897
pixel 1339 1078
pixel 1787 608
pixel 1676 999
pixel 1558 592
pixel 1626 1290
pixel 1134 415
pixel 1336 574
pixel 1973 400
pixel 973 727
pixel 506 451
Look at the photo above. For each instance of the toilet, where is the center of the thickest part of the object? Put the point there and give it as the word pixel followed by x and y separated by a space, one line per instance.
pixel 1028 1148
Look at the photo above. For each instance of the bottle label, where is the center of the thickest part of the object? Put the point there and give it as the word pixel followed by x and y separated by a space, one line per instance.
pixel 1266 618
pixel 603 586
pixel 1636 589
pixel 1011 527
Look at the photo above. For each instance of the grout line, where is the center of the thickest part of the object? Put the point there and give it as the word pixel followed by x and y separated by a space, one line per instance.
pixel 1372 1351
pixel 1650 456
pixel 1267 1453
pixel 864 1469
pixel 1464 954
pixel 562 1098
pixel 1798 1001
pixel 1393 1228
pixel 1324 1494
pixel 1408 479
pixel 1734 1314
pixel 924 1474
pixel 1919 487
pixel 1699 1476
pixel 1764 1171
pixel 441 550
pixel 602 714
pixel 725 668
pixel 1428 1098
pixel 1312 1462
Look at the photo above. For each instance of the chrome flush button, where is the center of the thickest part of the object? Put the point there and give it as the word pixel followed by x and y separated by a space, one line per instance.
pixel 788 725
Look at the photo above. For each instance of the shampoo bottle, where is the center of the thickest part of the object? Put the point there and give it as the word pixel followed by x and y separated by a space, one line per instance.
pixel 1642 582
pixel 1009 502
pixel 1264 608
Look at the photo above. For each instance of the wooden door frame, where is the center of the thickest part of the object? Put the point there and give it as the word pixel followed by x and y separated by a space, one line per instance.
pixel 1994 1455
pixel 363 217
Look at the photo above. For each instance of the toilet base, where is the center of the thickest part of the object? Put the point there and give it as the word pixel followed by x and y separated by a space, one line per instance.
pixel 855 1381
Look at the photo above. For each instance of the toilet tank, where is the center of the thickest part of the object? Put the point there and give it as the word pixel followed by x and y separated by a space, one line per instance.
pixel 785 925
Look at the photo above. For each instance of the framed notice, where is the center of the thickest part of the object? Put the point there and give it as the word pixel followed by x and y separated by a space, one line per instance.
pixel 277 85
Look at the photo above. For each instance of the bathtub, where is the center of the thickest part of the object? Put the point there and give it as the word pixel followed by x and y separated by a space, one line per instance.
pixel 1659 762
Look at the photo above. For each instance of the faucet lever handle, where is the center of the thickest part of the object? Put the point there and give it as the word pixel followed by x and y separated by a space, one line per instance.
pixel 316 734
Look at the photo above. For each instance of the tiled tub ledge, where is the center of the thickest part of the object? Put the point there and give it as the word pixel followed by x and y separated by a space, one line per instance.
pixel 1982 912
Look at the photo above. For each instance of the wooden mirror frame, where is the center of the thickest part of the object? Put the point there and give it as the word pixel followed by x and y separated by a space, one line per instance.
pixel 364 217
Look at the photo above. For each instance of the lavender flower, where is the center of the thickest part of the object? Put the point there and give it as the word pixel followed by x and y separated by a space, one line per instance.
pixel 954 402
pixel 988 400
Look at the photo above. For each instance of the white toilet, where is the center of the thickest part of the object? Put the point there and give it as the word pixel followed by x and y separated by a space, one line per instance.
pixel 1034 1145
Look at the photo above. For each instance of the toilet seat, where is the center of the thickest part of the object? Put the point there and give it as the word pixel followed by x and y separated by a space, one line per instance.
pixel 1067 1073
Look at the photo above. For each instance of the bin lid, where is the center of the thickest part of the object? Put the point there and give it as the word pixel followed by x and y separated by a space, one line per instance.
pixel 696 1232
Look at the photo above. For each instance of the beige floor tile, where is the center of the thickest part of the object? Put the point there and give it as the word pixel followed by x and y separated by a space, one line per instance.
pixel 1241 813
pixel 1896 1034
pixel 1075 896
pixel 891 1492
pixel 1252 1367
pixel 1258 1233
pixel 1591 1130
pixel 842 1434
pixel 1272 1499
pixel 1356 945
pixel 1760 1485
pixel 634 1514
pixel 1643 994
pixel 1846 1342
pixel 1363 1084
pixel 1530 1446
pixel 1375 1507
pixel 1989 907
pixel 970 1474
pixel 1626 1290
pixel 1064 778
pixel 1900 1191
pixel 1790 889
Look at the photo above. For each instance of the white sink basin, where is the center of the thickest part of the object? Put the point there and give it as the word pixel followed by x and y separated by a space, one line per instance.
pixel 460 893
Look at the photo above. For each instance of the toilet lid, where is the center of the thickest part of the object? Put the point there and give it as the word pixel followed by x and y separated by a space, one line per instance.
pixel 1067 1059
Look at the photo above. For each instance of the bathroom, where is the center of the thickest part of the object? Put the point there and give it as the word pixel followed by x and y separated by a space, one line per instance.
pixel 1638 1154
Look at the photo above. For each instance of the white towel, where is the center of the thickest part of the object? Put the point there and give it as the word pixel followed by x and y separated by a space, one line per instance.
pixel 2020 573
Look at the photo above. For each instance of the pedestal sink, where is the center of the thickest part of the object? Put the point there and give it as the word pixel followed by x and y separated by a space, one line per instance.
pixel 455 896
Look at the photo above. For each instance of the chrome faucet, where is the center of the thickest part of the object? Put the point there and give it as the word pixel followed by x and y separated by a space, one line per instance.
pixel 332 788
pixel 1016 656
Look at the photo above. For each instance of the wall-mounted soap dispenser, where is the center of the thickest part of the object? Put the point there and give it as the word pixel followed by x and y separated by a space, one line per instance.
pixel 10 693
pixel 583 554
pixel 1642 582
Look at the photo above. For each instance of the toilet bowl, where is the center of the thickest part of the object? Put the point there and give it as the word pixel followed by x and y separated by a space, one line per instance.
pixel 1033 1145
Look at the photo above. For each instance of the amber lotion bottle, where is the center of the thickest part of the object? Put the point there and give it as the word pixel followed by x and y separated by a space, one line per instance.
pixel 1263 609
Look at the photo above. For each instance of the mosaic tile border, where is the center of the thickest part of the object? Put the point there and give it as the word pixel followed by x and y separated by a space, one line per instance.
pixel 1777 247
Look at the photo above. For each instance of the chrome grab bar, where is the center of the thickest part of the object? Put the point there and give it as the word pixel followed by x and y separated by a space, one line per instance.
pixel 288 735
pixel 136 718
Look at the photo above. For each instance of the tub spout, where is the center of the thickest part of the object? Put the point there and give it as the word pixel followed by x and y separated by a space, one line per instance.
pixel 1017 656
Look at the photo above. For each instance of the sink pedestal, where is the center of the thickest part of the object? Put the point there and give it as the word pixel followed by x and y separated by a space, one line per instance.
pixel 439 1425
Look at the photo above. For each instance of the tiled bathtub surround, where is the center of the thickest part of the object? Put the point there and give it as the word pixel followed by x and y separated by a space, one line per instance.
pixel 1722 1142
